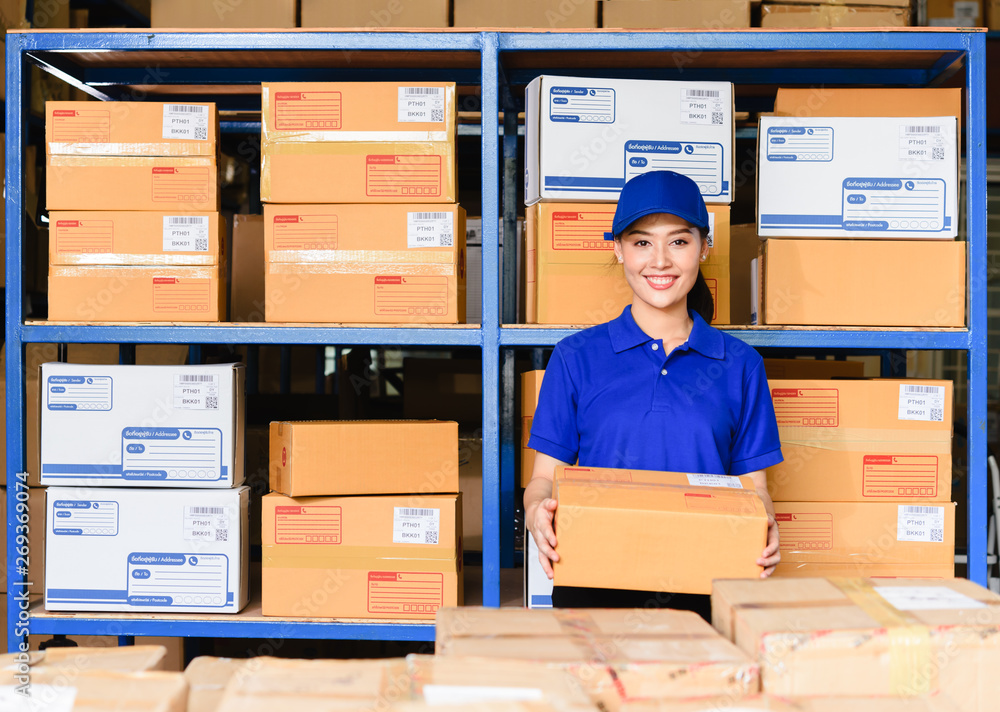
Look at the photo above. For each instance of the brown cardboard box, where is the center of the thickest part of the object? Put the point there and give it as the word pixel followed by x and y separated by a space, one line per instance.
pixel 552 14
pixel 809 16
pixel 358 142
pixel 886 637
pixel 132 183
pixel 247 300
pixel 618 655
pixel 126 659
pixel 207 678
pixel 865 570
pixel 470 482
pixel 443 389
pixel 50 14
pixel 703 533
pixel 744 246
pixel 364 457
pixel 866 532
pixel 859 283
pixel 36 539
pixel 104 293
pixel 375 14
pixel 782 368
pixel 655 14
pixel 361 557
pixel 875 3
pixel 223 15
pixel 993 14
pixel 955 13
pixel 884 101
pixel 13 14
pixel 118 237
pixel 531 386
pixel 130 691
pixel 844 440
pixel 131 128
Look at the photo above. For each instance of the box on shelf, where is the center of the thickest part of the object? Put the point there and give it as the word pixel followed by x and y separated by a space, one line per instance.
pixel 881 636
pixel 531 386
pixel 619 655
pixel 860 283
pixel 364 457
pixel 604 523
pixel 119 237
pixel 864 569
pixel 358 142
pixel 657 14
pixel 857 177
pixel 443 389
pixel 955 13
pixel 820 16
pixel 247 290
pixel 322 261
pixel 866 532
pixel 272 14
pixel 131 128
pixel 36 539
pixel 638 125
pixel 149 551
pixel 805 368
pixel 857 101
pixel 470 483
pixel 393 557
pixel 125 659
pixel 84 690
pixel 136 293
pixel 375 14
pixel 862 440
pixel 207 678
pixel 144 426
pixel 552 14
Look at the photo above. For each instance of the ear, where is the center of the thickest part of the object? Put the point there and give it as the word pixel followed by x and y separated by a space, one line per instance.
pixel 618 250
pixel 704 247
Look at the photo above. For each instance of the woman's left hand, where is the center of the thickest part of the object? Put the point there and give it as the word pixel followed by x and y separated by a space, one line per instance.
pixel 771 555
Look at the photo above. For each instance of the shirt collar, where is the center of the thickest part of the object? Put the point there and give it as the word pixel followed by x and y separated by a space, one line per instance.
pixel 626 334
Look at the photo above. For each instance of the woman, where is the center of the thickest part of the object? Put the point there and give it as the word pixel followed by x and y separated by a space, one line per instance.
pixel 656 388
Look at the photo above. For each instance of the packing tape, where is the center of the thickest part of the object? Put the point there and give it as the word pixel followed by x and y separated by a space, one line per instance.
pixel 445 566
pixel 379 147
pixel 131 161
pixel 374 268
pixel 274 137
pixel 871 439
pixel 416 256
pixel 133 272
pixel 151 149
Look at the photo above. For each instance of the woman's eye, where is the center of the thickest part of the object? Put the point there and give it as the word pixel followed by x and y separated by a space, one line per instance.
pixel 641 243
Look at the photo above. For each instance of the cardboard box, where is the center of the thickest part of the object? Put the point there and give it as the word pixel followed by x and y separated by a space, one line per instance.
pixel 572 275
pixel 247 300
pixel 382 557
pixel 149 551
pixel 584 138
pixel 364 457
pixel 656 14
pixel 993 14
pixel 117 237
pixel 955 13
pixel 883 101
pixel 882 637
pixel 874 3
pixel 131 128
pixel 595 519
pixel 862 440
pixel 801 704
pixel 619 655
pixel 867 570
pixel 860 283
pixel 100 424
pixel 553 14
pixel 470 483
pixel 128 293
pixel 857 177
pixel 866 532
pixel 822 16
pixel 358 142
pixel 443 389
pixel 125 659
pixel 375 14
pixel 744 246
pixel 243 14
pixel 90 691
pixel 207 678
pixel 132 183
pixel 531 386
pixel 812 368
pixel 34 520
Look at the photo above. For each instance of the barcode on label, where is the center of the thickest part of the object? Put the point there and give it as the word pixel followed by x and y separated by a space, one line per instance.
pixel 422 91
pixel 211 402
pixel 922 510
pixel 201 244
pixel 415 512
pixel 702 93
pixel 932 390
pixel 717 119
pixel 207 510
pixel 923 129
pixel 222 535
pixel 186 109
pixel 937 153
pixel 430 216
pixel 431 537
pixel 180 220
pixel 189 378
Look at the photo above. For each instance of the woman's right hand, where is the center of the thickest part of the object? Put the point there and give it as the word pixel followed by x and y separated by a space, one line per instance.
pixel 541 527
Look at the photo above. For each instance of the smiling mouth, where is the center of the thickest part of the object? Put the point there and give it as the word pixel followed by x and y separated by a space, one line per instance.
pixel 660 282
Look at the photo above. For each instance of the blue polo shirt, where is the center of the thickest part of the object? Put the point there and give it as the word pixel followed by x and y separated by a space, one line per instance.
pixel 610 399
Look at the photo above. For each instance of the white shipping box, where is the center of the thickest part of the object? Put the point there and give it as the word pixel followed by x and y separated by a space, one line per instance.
pixel 857 177
pixel 537 586
pixel 584 138
pixel 143 426
pixel 141 550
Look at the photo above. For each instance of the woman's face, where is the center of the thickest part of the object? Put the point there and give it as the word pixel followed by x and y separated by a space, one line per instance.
pixel 661 254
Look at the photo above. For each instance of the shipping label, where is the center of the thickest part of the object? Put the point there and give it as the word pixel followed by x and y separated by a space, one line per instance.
pixel 923 142
pixel 420 105
pixel 80 517
pixel 582 105
pixel 184 184
pixel 704 163
pixel 926 598
pixel 415 525
pixel 85 393
pixel 697 502
pixel 309 111
pixel 308 524
pixel 185 121
pixel 918 523
pixel 178 579
pixel 81 126
pixel 403 176
pixel 714 481
pixel 85 237
pixel 801 144
pixel 411 295
pixel 305 232
pixel 805 531
pixel 419 594
pixel 207 523
pixel 703 107
pixel 185 233
pixel 196 391
pixel 163 454
pixel 435 229
pixel 806 407
pixel 173 294
pixel 921 403
pixel 894 204
pixel 900 476
pixel 582 230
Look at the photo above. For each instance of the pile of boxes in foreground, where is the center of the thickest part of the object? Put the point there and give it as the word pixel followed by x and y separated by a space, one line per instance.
pixel 785 645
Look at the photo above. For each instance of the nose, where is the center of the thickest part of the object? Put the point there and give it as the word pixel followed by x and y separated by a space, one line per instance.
pixel 661 256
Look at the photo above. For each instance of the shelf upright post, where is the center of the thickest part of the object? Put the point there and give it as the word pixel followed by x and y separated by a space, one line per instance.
pixel 490 84
pixel 975 163
pixel 17 122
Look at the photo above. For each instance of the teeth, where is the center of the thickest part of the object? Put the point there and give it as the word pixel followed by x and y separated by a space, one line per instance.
pixel 663 281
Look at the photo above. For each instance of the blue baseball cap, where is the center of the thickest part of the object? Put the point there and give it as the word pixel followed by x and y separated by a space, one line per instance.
pixel 660 192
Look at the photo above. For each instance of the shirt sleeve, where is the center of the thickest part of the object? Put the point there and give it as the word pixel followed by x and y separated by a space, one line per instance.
pixel 756 444
pixel 554 431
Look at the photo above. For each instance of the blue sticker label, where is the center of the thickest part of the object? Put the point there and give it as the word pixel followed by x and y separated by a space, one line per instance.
pixel 582 105
pixel 704 163
pixel 178 579
pixel 894 205
pixel 84 517
pixel 79 393
pixel 172 454
pixel 801 144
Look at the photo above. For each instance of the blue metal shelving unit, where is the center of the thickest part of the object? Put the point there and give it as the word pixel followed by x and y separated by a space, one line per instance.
pixel 115 65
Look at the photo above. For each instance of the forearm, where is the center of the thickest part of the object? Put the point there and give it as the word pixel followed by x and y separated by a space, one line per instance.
pixel 537 490
pixel 760 485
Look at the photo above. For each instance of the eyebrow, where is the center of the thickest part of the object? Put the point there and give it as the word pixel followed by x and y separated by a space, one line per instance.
pixel 678 231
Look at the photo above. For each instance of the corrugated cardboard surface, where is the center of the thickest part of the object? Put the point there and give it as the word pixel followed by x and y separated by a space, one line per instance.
pixel 207 678
pixel 698 14
pixel 375 13
pixel 364 457
pixel 859 283
pixel 342 557
pixel 553 14
pixel 702 534
pixel 884 101
pixel 243 14
pixel 875 3
pixel 781 368
pixel 132 692
pixel 619 655
pixel 803 704
pixel 132 658
pixel 919 570
pixel 247 300
pixel 807 16
pixel 844 441
pixel 125 293
pixel 955 13
pixel 531 386
pixel 801 629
